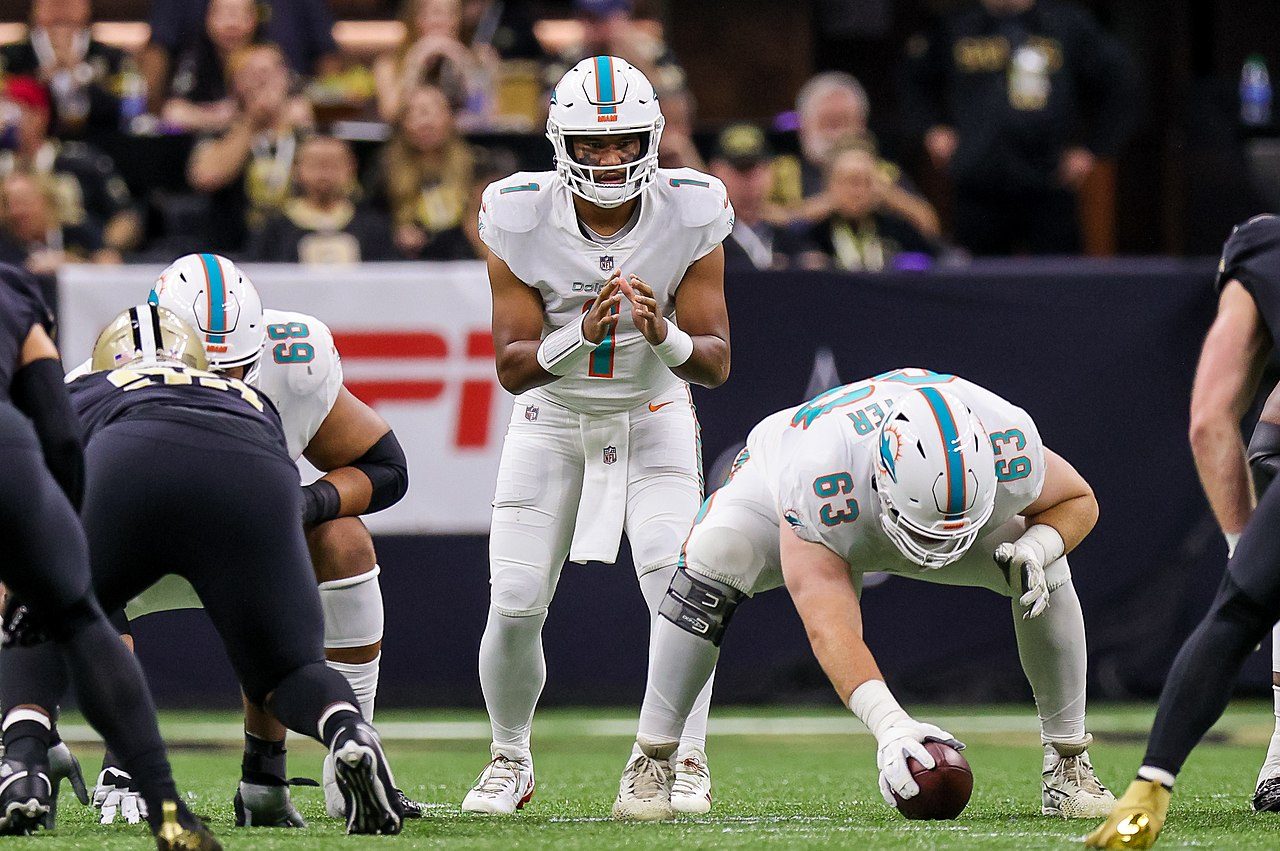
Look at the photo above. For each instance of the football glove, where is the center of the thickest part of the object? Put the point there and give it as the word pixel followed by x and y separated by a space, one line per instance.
pixel 1025 561
pixel 902 741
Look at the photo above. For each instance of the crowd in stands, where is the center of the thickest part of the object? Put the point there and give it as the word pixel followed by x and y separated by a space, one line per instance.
pixel 998 96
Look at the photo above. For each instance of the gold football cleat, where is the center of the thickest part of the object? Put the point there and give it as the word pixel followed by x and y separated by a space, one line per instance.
pixel 1136 820
pixel 173 836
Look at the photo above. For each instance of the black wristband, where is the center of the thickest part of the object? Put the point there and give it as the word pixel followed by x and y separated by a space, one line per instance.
pixel 320 502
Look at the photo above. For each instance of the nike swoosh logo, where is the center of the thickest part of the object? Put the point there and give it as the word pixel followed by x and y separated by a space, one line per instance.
pixel 654 408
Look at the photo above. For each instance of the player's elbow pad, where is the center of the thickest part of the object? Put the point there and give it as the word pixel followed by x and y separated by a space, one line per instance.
pixel 37 390
pixel 388 471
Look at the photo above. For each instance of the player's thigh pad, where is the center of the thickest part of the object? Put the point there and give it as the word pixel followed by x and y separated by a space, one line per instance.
pixel 735 537
pixel 664 486
pixel 534 508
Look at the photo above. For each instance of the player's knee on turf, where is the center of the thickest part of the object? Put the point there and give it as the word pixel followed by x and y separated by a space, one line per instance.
pixel 341 549
pixel 700 605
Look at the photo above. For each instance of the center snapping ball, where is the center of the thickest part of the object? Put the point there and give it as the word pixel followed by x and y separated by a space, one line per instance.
pixel 944 789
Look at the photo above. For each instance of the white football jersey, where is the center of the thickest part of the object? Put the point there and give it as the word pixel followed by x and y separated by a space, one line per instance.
pixel 528 221
pixel 819 460
pixel 301 373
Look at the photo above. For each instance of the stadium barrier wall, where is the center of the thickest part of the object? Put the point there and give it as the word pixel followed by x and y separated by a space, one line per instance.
pixel 1101 354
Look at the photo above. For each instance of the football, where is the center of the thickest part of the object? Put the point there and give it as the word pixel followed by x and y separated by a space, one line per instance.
pixel 944 789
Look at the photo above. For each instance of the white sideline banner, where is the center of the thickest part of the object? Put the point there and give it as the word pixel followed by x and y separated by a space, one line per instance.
pixel 416 344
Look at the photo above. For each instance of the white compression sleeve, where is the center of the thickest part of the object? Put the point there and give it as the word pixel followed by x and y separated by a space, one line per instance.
pixel 363 677
pixel 512 674
pixel 653 586
pixel 1054 657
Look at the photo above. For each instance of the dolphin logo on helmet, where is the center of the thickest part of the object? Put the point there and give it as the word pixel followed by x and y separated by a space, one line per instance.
pixel 604 96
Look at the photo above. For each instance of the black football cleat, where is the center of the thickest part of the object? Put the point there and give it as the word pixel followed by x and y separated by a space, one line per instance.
pixel 1266 798
pixel 409 808
pixel 25 798
pixel 364 777
pixel 181 830
pixel 259 805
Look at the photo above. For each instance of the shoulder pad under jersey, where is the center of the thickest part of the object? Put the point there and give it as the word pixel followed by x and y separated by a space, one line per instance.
pixel 517 203
pixel 700 198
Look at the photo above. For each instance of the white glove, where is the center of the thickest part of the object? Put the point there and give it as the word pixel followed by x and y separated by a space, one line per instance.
pixel 119 800
pixel 1024 559
pixel 906 739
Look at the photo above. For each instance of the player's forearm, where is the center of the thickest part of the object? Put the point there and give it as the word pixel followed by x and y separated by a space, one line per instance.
pixel 843 655
pixel 708 366
pixel 1224 471
pixel 375 481
pixel 1073 519
pixel 519 369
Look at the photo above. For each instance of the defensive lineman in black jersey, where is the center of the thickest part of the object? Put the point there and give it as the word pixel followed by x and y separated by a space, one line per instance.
pixel 1247 604
pixel 45 564
pixel 187 472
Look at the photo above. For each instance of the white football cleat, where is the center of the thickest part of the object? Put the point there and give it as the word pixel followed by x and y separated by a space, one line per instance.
pixel 691 791
pixel 1070 786
pixel 644 794
pixel 334 806
pixel 505 785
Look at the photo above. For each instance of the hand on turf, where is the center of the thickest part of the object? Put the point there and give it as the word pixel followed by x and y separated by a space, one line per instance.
pixel 644 312
pixel 603 314
pixel 1024 562
pixel 126 803
pixel 902 741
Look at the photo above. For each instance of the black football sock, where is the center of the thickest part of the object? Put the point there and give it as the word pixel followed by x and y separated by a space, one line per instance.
pixel 304 701
pixel 263 762
pixel 27 741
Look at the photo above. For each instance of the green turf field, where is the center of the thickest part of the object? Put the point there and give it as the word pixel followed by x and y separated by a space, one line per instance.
pixel 784 778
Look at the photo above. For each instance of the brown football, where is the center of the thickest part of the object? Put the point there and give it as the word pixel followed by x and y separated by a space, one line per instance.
pixel 944 789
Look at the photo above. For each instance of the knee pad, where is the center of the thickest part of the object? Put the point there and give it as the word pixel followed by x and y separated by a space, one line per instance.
pixel 353 615
pixel 699 605
pixel 1264 453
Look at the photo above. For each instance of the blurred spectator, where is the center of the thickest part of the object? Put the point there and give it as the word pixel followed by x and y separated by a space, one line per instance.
pixel 247 168
pixel 744 161
pixel 83 74
pixel 861 234
pixel 1016 99
pixel 676 148
pixel 324 225
pixel 432 53
pixel 491 164
pixel 30 234
pixel 197 97
pixel 425 179
pixel 611 29
pixel 83 180
pixel 505 26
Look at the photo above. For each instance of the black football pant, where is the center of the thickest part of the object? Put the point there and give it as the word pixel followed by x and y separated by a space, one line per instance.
pixel 44 562
pixel 224 513
pixel 1242 615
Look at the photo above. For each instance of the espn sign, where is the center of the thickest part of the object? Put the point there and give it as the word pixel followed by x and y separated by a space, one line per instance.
pixel 415 344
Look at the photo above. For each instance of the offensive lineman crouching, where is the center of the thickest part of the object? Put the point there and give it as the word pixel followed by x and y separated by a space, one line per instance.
pixel 953 487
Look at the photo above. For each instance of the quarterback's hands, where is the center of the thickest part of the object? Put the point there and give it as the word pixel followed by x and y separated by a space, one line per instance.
pixel 1025 562
pixel 902 741
pixel 644 312
pixel 602 316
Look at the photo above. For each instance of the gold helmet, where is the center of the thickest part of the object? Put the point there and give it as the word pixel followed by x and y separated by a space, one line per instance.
pixel 148 335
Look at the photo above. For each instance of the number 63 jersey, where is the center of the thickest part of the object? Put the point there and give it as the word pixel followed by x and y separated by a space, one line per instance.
pixel 818 460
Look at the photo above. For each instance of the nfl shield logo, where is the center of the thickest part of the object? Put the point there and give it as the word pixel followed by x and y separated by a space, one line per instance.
pixel 610 454
pixel 531 413
pixel 606 263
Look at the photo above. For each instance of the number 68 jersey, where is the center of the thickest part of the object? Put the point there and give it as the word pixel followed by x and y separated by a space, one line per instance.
pixel 818 460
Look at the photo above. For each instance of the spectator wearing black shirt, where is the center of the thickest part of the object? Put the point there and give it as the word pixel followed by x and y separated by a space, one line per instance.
pixel 246 170
pixel 83 180
pixel 861 234
pixel 32 236
pixel 743 160
pixel 324 225
pixel 198 98
pixel 1016 99
pixel 82 73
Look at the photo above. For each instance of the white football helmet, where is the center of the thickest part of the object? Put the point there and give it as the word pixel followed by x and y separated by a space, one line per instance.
pixel 212 295
pixel 935 475
pixel 604 96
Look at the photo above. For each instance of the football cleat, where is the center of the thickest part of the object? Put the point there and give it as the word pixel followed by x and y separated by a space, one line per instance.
pixel 1136 820
pixel 63 765
pixel 180 830
pixel 1266 797
pixel 25 796
pixel 259 805
pixel 691 790
pixel 644 793
pixel 368 789
pixel 505 785
pixel 337 808
pixel 1069 786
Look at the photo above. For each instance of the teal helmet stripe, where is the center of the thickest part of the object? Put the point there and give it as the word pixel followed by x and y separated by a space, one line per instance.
pixel 951 445
pixel 217 298
pixel 604 85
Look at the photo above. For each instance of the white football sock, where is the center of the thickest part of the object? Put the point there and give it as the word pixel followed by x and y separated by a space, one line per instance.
pixel 1271 765
pixel 512 673
pixel 1055 659
pixel 680 667
pixel 363 677
pixel 653 586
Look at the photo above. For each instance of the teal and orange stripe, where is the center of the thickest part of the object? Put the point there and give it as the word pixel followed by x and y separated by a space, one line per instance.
pixel 604 85
pixel 217 294
pixel 951 447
